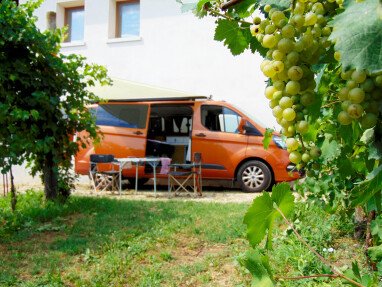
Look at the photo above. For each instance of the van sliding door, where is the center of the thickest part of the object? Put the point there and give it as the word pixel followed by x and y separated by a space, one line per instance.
pixel 124 129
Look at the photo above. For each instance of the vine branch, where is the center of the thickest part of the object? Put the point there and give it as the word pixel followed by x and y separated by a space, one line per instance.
pixel 336 272
pixel 230 3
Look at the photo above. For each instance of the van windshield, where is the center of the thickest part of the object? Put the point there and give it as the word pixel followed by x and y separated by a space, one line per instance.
pixel 253 118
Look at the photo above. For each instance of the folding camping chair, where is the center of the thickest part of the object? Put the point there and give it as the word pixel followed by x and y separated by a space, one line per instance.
pixel 104 172
pixel 186 177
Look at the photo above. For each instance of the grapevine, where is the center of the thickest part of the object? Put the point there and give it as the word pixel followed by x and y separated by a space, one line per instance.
pixel 325 91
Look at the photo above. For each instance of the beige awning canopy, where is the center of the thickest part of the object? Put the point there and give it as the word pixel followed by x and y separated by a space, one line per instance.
pixel 123 90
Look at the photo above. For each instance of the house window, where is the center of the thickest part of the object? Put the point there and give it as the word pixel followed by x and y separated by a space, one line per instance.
pixel 128 19
pixel 74 19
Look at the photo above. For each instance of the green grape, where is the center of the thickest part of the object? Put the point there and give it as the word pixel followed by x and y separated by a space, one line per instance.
pixel 256 20
pixel 344 118
pixel 255 29
pixel 359 76
pixel 277 95
pixel 288 31
pixel 292 144
pixel 279 85
pixel 310 19
pixel 267 8
pixel 305 157
pixel 277 111
pixel 299 8
pixel 269 91
pixel 316 32
pixel 277 55
pixel 283 75
pixel 299 116
pixel 346 75
pixel 355 111
pixel 295 157
pixel 376 94
pixel 302 127
pixel 356 95
pixel 270 29
pixel 369 120
pixel 351 84
pixel 295 73
pixel 264 24
pixel 315 152
pixel 345 105
pixel 277 16
pixel 273 103
pixel 292 87
pixel 378 81
pixel 298 21
pixel 284 123
pixel 285 45
pixel 368 85
pixel 269 41
pixel 286 102
pixel 291 130
pixel 278 66
pixel 326 31
pixel 289 114
pixel 293 58
pixel 299 46
pixel 307 99
pixel 343 94
pixel 318 8
pixel 269 71
pixel 307 40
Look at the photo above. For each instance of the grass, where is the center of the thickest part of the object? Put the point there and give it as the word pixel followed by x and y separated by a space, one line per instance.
pixel 108 242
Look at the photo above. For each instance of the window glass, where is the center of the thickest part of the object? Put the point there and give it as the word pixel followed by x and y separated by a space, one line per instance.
pixel 222 119
pixel 75 22
pixel 128 18
pixel 127 116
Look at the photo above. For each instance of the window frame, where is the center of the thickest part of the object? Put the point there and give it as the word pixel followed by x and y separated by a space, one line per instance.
pixel 218 118
pixel 67 10
pixel 118 19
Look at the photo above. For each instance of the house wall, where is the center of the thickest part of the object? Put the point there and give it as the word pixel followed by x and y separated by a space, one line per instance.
pixel 175 50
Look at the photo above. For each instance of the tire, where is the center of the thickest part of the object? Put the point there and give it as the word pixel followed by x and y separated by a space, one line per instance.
pixel 254 176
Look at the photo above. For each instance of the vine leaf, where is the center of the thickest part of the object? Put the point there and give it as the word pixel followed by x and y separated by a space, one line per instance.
pixel 280 4
pixel 364 191
pixel 262 214
pixel 258 265
pixel 267 137
pixel 360 46
pixel 330 149
pixel 232 35
pixel 376 227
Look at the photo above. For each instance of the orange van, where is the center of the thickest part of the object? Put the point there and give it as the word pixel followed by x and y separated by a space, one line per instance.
pixel 230 142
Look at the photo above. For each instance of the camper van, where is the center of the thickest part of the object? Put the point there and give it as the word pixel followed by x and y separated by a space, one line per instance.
pixel 231 143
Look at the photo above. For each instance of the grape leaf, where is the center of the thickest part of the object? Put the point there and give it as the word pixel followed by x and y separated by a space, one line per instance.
pixel 262 214
pixel 368 188
pixel 330 149
pixel 360 46
pixel 280 4
pixel 258 265
pixel 376 227
pixel 232 35
pixel 375 253
pixel 267 137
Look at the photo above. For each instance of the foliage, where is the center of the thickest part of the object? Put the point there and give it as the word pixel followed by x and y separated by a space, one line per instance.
pixel 156 243
pixel 325 87
pixel 42 96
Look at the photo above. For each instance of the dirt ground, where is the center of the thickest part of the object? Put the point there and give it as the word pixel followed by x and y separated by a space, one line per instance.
pixel 213 191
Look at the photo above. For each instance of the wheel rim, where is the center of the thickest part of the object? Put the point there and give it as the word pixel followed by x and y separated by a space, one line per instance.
pixel 253 177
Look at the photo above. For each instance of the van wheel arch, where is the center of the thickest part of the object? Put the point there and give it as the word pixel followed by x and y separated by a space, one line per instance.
pixel 261 161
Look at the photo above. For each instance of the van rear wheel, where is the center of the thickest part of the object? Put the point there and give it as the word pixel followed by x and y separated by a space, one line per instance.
pixel 254 176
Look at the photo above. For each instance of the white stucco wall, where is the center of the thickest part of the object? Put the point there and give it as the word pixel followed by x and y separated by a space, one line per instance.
pixel 176 51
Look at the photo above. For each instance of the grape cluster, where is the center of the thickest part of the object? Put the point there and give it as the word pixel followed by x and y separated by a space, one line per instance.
pixel 360 98
pixel 294 44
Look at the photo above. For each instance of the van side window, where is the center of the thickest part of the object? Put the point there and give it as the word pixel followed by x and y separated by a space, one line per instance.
pixel 125 116
pixel 220 119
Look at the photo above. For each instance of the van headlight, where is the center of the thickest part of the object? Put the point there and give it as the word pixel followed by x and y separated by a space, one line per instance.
pixel 279 142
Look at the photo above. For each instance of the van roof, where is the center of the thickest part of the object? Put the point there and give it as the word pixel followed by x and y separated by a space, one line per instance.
pixel 127 91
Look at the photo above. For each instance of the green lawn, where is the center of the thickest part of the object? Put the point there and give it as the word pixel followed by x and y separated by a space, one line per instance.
pixel 109 242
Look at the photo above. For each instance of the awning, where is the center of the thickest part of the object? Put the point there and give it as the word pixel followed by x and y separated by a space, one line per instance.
pixel 123 90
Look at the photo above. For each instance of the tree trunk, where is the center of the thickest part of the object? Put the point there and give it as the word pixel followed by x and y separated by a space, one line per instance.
pixel 13 192
pixel 50 179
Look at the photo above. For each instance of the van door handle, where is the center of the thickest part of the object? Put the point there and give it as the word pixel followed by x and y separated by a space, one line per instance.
pixel 202 135
pixel 138 133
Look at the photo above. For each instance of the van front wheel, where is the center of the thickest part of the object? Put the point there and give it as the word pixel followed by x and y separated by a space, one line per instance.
pixel 254 176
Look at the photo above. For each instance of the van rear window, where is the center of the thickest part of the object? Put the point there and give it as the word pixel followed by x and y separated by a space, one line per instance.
pixel 126 116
